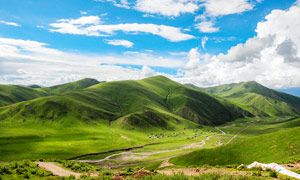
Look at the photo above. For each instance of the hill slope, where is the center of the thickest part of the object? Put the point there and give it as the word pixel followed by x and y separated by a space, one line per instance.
pixel 257 99
pixel 77 85
pixel 153 102
pixel 279 147
pixel 10 94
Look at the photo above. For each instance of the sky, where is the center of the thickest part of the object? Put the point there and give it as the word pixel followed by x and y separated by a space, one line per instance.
pixel 203 42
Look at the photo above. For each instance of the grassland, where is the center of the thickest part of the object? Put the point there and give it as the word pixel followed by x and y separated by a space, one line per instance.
pixel 279 144
pixel 257 99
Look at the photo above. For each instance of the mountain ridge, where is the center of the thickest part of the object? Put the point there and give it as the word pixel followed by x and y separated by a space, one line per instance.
pixel 257 99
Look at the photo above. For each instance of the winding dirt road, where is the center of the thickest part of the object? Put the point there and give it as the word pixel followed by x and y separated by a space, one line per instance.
pixel 57 170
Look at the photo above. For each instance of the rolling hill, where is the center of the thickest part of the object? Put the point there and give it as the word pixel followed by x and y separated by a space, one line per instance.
pixel 280 147
pixel 257 99
pixel 10 94
pixel 77 85
pixel 155 102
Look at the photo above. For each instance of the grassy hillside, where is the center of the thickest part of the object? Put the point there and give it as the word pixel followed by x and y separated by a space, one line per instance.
pixel 152 102
pixel 279 147
pixel 10 94
pixel 77 85
pixel 257 99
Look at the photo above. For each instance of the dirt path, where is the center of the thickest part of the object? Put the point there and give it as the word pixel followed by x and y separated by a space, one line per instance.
pixel 166 163
pixel 57 170
pixel 198 171
pixel 122 136
pixel 129 155
pixel 233 137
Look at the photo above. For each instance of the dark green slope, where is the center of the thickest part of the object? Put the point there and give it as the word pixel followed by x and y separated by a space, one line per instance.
pixel 257 99
pixel 279 147
pixel 10 94
pixel 152 102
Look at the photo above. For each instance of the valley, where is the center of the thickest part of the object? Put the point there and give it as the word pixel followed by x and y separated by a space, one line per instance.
pixel 154 124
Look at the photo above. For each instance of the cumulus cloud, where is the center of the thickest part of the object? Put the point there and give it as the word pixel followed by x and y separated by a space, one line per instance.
pixel 271 58
pixel 119 42
pixel 147 71
pixel 167 7
pixel 89 25
pixel 206 27
pixel 216 8
pixel 10 23
pixel 32 62
pixel 194 59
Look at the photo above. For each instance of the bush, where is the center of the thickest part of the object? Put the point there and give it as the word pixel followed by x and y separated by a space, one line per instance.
pixel 20 171
pixel 257 173
pixel 26 175
pixel 72 177
pixel 273 174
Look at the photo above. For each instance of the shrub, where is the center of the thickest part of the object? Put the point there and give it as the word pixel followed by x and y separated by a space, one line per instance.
pixel 257 173
pixel 20 171
pixel 273 174
pixel 26 175
pixel 72 177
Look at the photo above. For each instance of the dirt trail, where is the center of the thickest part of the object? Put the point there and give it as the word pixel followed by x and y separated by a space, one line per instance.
pixel 166 163
pixel 58 171
pixel 130 155
pixel 198 171
pixel 233 137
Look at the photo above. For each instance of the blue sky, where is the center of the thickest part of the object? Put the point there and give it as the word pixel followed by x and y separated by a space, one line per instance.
pixel 190 41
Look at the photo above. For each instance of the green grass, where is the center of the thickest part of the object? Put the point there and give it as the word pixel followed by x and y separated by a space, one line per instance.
pixel 257 99
pixel 279 147
pixel 10 94
pixel 23 170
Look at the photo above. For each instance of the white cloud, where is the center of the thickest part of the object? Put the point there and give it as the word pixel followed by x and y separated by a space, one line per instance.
pixel 10 23
pixel 271 58
pixel 90 26
pixel 203 41
pixel 119 42
pixel 178 53
pixel 147 71
pixel 214 8
pixel 31 62
pixel 121 3
pixel 148 15
pixel 194 59
pixel 167 7
pixel 83 12
pixel 206 27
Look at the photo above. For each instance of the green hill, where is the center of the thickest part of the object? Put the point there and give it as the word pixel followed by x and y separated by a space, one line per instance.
pixel 279 147
pixel 77 85
pixel 257 99
pixel 10 94
pixel 153 102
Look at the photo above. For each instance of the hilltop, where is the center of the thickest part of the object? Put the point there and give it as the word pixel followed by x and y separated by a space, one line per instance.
pixel 10 94
pixel 257 99
pixel 152 102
